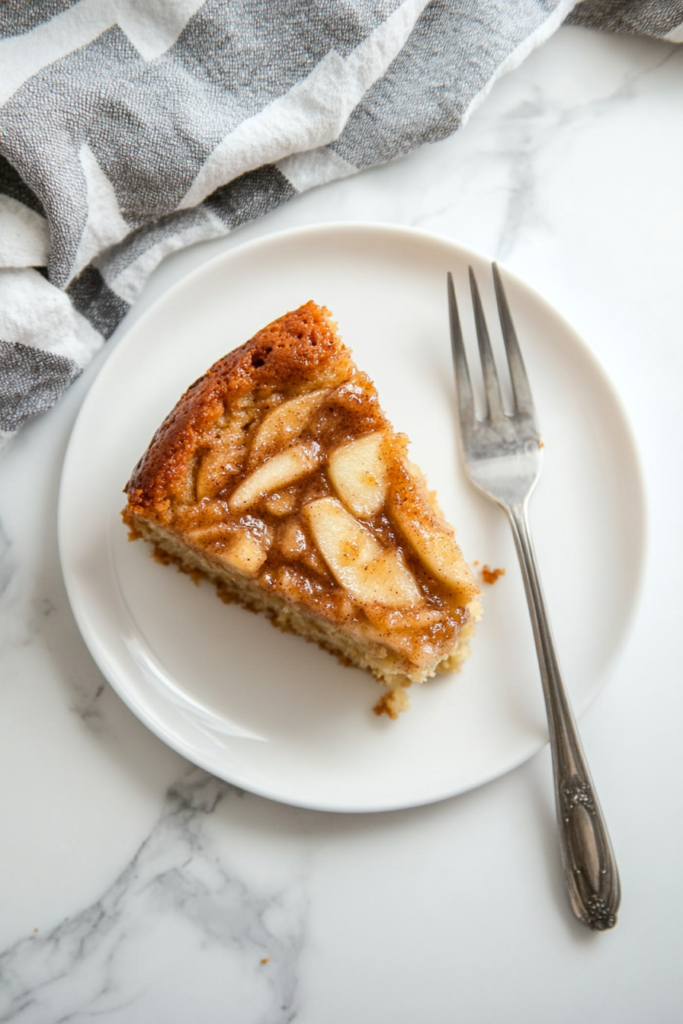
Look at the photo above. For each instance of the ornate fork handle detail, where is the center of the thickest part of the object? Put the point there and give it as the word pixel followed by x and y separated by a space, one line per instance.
pixel 589 862
pixel 503 455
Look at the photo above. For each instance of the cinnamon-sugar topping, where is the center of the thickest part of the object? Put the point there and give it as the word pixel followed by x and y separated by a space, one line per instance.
pixel 279 462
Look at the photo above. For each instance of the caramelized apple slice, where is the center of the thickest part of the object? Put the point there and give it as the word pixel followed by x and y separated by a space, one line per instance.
pixel 357 560
pixel 284 424
pixel 215 471
pixel 432 540
pixel 282 469
pixel 359 475
pixel 292 541
pixel 281 503
pixel 296 546
pixel 246 552
pixel 397 619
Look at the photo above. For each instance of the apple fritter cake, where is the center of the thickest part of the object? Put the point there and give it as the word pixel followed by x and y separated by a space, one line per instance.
pixel 278 477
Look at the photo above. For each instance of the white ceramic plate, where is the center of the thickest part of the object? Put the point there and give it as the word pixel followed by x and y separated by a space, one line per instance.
pixel 267 711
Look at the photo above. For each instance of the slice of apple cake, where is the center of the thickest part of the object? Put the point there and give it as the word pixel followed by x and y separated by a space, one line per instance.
pixel 278 477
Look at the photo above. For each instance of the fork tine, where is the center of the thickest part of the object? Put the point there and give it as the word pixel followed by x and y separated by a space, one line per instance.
pixel 463 382
pixel 521 391
pixel 488 366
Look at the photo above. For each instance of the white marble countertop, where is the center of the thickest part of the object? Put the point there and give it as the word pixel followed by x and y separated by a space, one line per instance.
pixel 136 888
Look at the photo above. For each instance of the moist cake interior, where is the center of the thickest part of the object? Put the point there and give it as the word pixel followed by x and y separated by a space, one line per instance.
pixel 279 478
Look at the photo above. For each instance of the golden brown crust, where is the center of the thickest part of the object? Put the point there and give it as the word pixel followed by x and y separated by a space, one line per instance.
pixel 301 344
pixel 237 478
pixel 491 575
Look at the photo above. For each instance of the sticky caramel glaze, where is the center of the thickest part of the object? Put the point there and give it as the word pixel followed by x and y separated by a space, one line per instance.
pixel 300 574
pixel 204 444
pixel 281 361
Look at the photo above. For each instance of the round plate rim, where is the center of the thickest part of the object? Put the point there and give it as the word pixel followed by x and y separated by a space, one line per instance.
pixel 89 634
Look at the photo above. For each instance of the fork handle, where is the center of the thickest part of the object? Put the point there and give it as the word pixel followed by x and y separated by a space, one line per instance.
pixel 587 856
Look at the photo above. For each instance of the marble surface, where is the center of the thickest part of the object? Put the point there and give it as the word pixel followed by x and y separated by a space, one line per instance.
pixel 136 888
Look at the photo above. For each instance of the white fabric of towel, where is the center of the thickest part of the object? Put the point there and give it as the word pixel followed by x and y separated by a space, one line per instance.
pixel 132 128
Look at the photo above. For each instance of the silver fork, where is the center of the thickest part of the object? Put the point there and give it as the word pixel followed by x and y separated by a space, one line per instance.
pixel 503 457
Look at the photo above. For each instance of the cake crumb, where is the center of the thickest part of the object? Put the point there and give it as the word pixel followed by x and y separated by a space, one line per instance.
pixel 491 575
pixel 392 703
pixel 293 393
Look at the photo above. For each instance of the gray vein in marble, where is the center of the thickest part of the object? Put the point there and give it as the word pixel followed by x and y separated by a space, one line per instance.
pixel 527 130
pixel 517 138
pixel 81 968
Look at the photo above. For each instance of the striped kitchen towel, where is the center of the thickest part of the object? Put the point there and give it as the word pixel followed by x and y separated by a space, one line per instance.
pixel 132 128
